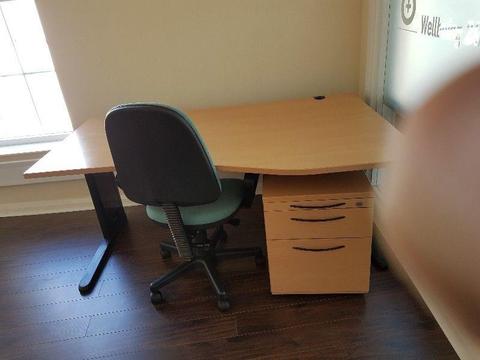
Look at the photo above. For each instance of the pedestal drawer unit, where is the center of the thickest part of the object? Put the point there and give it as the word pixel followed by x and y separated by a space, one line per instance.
pixel 318 231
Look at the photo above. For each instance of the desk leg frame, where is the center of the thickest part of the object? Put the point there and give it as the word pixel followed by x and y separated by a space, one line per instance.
pixel 251 181
pixel 112 219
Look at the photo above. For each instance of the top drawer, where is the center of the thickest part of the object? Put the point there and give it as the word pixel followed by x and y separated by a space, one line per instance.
pixel 347 185
pixel 317 204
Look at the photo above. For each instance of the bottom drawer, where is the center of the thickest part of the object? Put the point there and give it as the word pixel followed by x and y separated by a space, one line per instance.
pixel 319 266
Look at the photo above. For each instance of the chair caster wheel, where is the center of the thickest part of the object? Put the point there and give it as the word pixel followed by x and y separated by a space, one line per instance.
pixel 157 298
pixel 260 259
pixel 223 304
pixel 166 254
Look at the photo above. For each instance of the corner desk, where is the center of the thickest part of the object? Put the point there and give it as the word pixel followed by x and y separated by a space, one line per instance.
pixel 314 136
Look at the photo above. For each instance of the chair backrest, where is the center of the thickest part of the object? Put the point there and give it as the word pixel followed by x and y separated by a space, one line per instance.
pixel 159 156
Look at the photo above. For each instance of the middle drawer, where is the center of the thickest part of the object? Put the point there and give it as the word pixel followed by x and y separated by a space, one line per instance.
pixel 311 224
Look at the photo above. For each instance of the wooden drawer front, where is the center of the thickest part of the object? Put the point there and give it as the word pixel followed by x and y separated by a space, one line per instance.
pixel 304 224
pixel 317 204
pixel 319 266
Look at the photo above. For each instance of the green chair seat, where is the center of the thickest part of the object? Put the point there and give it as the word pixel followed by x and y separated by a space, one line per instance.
pixel 225 206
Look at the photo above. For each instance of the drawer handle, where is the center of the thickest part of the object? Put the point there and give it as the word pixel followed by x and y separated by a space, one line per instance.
pixel 317 206
pixel 318 220
pixel 324 249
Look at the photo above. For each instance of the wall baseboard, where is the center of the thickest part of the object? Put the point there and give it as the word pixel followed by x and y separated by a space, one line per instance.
pixel 51 206
pixel 61 196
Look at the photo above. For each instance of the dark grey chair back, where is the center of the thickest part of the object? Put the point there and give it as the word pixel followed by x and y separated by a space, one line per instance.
pixel 159 156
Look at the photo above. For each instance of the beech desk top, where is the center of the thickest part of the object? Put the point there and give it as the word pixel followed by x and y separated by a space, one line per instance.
pixel 293 137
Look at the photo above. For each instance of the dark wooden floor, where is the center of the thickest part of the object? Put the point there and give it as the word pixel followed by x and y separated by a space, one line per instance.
pixel 43 316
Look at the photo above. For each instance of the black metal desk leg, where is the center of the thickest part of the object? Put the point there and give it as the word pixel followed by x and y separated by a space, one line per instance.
pixel 111 217
pixel 251 181
pixel 377 256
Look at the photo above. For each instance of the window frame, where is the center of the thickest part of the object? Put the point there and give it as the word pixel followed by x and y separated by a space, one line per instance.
pixel 41 137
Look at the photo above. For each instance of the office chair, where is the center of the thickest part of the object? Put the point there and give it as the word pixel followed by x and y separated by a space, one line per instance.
pixel 162 163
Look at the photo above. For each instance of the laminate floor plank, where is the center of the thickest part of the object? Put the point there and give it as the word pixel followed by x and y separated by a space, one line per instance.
pixel 44 317
pixel 149 335
pixel 31 335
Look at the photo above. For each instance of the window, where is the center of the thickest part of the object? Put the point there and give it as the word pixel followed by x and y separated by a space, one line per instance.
pixel 32 108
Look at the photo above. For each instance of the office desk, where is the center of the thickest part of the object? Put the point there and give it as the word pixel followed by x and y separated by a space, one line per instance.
pixel 294 137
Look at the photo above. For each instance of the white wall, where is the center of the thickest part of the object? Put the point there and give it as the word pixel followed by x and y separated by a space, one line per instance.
pixel 191 54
